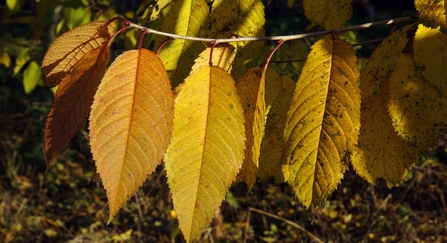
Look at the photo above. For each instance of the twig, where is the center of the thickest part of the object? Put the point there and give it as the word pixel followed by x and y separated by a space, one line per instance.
pixel 275 38
pixel 314 237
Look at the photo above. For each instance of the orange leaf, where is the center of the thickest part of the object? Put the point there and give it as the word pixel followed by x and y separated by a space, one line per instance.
pixel 130 123
pixel 73 99
pixel 70 47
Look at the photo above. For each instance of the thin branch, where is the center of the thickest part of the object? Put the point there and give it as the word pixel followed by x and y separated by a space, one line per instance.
pixel 277 38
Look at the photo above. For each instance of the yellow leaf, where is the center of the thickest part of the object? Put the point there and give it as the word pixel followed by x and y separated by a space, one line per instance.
pixel 73 99
pixel 430 52
pixel 381 153
pixel 329 14
pixel 322 122
pixel 382 61
pixel 5 59
pixel 130 123
pixel 207 147
pixel 223 56
pixel 251 90
pixel 185 18
pixel 271 158
pixel 433 13
pixel 21 60
pixel 415 105
pixel 242 18
pixel 68 48
pixel 32 76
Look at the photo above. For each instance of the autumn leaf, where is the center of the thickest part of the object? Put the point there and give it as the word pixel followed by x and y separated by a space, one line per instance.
pixel 251 89
pixel 271 158
pixel 73 99
pixel 381 152
pixel 207 147
pixel 323 121
pixel 382 61
pixel 415 105
pixel 329 14
pixel 130 123
pixel 433 13
pixel 430 52
pixel 185 18
pixel 70 47
pixel 223 56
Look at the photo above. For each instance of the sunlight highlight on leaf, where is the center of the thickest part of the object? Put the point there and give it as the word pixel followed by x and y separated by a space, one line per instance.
pixel 207 147
pixel 433 13
pixel 223 56
pixel 329 14
pixel 415 105
pixel 68 48
pixel 73 99
pixel 430 52
pixel 130 123
pixel 323 121
pixel 185 18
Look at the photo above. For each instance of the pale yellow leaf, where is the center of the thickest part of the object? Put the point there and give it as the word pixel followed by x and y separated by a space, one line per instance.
pixel 207 147
pixel 223 56
pixel 433 13
pixel 430 52
pixel 322 122
pixel 381 152
pixel 32 76
pixel 68 48
pixel 415 105
pixel 329 14
pixel 130 123
pixel 185 18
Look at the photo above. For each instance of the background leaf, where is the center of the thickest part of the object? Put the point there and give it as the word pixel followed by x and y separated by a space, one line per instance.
pixel 185 18
pixel 32 76
pixel 130 123
pixel 70 47
pixel 73 99
pixel 322 122
pixel 329 14
pixel 207 147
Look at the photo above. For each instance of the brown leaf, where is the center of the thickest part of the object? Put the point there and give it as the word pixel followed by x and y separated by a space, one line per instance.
pixel 73 99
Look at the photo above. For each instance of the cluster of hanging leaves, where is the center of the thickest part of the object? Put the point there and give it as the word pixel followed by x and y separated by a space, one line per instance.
pixel 213 131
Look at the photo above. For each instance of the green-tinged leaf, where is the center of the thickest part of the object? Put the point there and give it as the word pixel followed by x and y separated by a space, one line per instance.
pixel 382 61
pixel 415 105
pixel 251 89
pixel 21 60
pixel 32 76
pixel 5 59
pixel 223 56
pixel 185 18
pixel 430 52
pixel 433 13
pixel 329 14
pixel 130 123
pixel 68 48
pixel 241 18
pixel 381 153
pixel 207 147
pixel 77 15
pixel 323 121
pixel 73 99
pixel 271 158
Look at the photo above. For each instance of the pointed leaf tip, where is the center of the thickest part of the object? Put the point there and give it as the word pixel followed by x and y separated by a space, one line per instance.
pixel 130 123
pixel 207 147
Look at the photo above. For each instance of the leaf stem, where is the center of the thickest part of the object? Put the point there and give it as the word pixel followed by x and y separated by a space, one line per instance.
pixel 277 38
